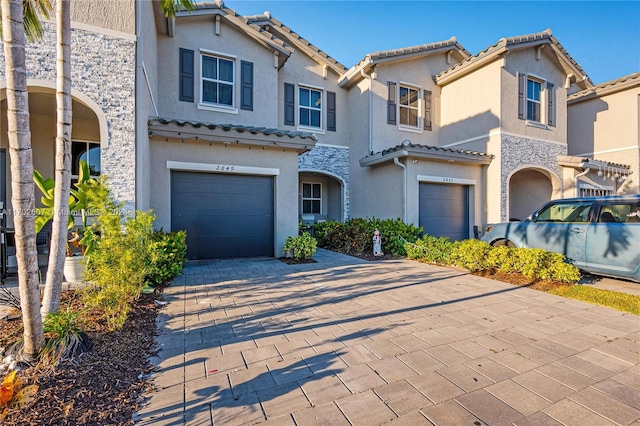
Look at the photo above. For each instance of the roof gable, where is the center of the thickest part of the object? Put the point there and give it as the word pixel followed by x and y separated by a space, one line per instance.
pixel 354 74
pixel 506 44
pixel 218 11
pixel 266 21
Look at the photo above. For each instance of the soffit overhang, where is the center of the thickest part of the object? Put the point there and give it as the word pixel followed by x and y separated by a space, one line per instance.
pixel 231 134
pixel 427 152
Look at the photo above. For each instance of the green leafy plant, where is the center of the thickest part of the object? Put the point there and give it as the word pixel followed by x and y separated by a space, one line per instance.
pixel 84 194
pixel 431 249
pixel 471 254
pixel 65 337
pixel 167 256
pixel 301 246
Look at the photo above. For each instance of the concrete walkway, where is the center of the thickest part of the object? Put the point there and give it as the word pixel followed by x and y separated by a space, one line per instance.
pixel 345 341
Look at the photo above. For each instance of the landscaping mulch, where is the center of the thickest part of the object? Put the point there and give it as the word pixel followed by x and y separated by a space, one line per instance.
pixel 103 386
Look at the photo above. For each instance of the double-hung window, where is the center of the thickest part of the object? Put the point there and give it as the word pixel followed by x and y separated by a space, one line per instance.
pixel 534 101
pixel 310 107
pixel 217 80
pixel 409 106
pixel 311 198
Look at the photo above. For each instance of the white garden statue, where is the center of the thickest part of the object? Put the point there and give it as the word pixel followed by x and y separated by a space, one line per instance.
pixel 377 243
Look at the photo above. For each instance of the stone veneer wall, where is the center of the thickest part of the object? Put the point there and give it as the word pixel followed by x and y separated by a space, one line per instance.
pixel 331 159
pixel 103 69
pixel 518 152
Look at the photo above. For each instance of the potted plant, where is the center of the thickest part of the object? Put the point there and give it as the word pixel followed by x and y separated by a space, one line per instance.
pixel 80 241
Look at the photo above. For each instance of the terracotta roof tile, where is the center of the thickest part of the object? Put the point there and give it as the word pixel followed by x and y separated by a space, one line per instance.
pixel 631 79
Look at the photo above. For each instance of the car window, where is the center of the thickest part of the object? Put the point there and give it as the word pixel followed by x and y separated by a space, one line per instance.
pixel 565 213
pixel 620 212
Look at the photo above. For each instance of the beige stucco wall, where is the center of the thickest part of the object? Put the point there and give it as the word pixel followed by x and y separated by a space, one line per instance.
pixel 300 69
pixel 471 107
pixel 117 15
pixel 417 72
pixel 146 103
pixel 286 183
pixel 198 32
pixel 608 129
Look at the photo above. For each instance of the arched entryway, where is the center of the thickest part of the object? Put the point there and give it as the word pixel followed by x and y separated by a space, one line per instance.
pixel 528 189
pixel 88 135
pixel 321 196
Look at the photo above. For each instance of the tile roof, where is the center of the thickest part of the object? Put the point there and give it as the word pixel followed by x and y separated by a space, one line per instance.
pixel 505 43
pixel 611 86
pixel 231 133
pixel 267 19
pixel 416 49
pixel 428 151
pixel 353 74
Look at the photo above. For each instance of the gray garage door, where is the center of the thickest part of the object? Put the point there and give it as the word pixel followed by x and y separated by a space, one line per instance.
pixel 225 216
pixel 444 210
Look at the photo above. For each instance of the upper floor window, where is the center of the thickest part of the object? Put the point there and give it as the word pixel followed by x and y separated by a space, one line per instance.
pixel 412 104
pixel 534 104
pixel 217 80
pixel 87 151
pixel 310 107
pixel 536 101
pixel 409 106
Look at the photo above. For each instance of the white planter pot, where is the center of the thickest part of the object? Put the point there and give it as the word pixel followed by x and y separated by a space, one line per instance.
pixel 75 268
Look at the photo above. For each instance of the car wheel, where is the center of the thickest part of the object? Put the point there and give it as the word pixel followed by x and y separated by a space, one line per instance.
pixel 506 243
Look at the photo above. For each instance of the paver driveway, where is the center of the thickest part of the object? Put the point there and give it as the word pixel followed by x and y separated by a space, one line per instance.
pixel 345 341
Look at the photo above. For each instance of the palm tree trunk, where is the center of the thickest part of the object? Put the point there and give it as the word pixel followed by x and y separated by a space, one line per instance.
pixel 22 186
pixel 53 287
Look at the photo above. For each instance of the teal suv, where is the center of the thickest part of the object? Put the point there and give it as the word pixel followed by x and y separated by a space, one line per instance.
pixel 600 235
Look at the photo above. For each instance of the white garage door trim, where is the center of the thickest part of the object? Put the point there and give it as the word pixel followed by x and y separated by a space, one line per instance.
pixel 446 179
pixel 222 168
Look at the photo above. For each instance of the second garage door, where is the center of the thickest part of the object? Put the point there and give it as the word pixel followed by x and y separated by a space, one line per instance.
pixel 444 210
pixel 225 216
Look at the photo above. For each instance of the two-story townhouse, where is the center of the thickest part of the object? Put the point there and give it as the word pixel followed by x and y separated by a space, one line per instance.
pixel 103 36
pixel 508 101
pixel 219 163
pixel 604 122
pixel 396 164
pixel 309 99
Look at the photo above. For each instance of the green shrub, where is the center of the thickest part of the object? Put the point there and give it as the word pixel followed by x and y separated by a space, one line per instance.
pixel 355 236
pixel 533 263
pixel 394 233
pixel 118 265
pixel 301 246
pixel 471 254
pixel 431 249
pixel 167 254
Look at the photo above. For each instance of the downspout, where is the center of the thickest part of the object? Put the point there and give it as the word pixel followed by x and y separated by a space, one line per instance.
pixel 577 178
pixel 370 130
pixel 404 187
pixel 138 95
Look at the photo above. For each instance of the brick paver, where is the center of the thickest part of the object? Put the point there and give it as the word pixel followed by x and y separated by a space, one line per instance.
pixel 346 341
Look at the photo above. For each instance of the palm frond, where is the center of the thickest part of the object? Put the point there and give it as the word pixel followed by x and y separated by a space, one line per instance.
pixel 170 7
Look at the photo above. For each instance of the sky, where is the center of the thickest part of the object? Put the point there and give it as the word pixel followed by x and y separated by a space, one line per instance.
pixel 602 36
